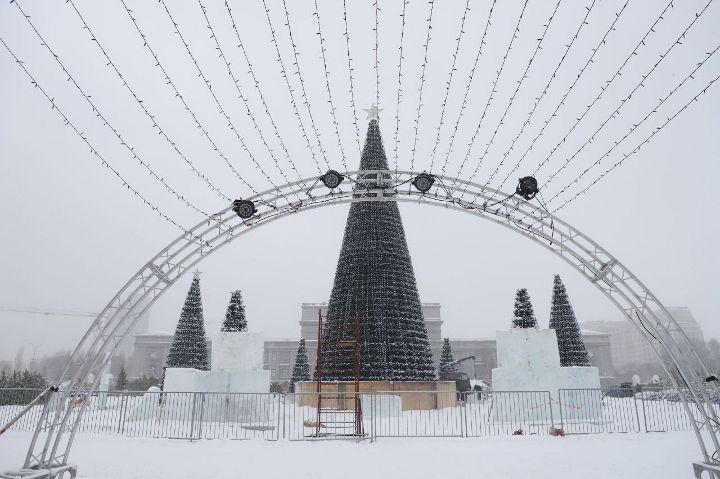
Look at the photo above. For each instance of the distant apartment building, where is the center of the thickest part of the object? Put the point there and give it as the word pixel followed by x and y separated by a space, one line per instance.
pixel 629 348
pixel 151 349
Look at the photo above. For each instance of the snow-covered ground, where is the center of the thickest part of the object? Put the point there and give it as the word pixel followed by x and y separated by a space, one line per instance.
pixel 599 456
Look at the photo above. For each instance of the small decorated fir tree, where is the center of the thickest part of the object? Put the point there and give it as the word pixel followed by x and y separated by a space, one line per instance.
pixel 562 320
pixel 446 369
pixel 122 380
pixel 301 369
pixel 523 316
pixel 235 314
pixel 189 349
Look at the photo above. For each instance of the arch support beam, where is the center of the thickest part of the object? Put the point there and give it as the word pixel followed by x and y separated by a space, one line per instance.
pixel 55 431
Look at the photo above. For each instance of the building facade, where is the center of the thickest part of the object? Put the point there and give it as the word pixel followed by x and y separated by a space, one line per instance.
pixel 631 352
pixel 151 349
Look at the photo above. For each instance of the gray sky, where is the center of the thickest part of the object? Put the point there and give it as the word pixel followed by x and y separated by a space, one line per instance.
pixel 73 234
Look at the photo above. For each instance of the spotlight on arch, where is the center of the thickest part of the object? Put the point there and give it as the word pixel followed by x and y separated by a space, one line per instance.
pixel 332 179
pixel 245 209
pixel 423 182
pixel 527 187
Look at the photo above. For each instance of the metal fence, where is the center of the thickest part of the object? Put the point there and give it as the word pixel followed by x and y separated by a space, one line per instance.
pixel 496 413
pixel 384 414
pixel 587 411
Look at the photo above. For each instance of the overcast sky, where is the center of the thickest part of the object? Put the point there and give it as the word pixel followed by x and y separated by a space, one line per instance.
pixel 73 234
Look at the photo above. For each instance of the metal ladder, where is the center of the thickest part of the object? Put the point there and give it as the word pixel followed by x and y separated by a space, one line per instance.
pixel 339 419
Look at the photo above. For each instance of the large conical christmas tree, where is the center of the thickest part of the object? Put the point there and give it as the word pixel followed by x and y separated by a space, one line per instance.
pixel 188 349
pixel 562 320
pixel 446 369
pixel 375 278
pixel 235 315
pixel 523 315
pixel 301 369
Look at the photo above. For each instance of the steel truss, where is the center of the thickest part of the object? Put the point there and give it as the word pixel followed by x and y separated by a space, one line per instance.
pixel 50 446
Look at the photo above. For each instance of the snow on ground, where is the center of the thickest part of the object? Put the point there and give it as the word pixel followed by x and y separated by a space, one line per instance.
pixel 598 456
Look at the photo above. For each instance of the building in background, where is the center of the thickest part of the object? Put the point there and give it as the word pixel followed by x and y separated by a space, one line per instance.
pixel 631 353
pixel 151 349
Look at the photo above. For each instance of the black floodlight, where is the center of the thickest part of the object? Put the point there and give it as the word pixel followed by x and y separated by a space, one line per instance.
pixel 527 187
pixel 423 182
pixel 245 209
pixel 332 179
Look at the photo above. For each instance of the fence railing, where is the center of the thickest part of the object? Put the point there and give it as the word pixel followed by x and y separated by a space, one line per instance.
pixel 191 415
pixel 587 411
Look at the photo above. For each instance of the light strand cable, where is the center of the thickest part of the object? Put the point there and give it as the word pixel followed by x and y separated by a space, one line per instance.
pixel 259 90
pixel 490 99
pixel 181 97
pixel 639 123
pixel 350 77
pixel 291 91
pixel 577 78
pixel 221 108
pixel 617 73
pixel 422 82
pixel 471 77
pixel 396 139
pixel 448 84
pixel 615 112
pixel 241 95
pixel 647 139
pixel 306 100
pixel 141 104
pixel 84 138
pixel 98 113
pixel 517 89
pixel 331 104
pixel 377 60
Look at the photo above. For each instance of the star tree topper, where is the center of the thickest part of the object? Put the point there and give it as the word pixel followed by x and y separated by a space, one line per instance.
pixel 373 112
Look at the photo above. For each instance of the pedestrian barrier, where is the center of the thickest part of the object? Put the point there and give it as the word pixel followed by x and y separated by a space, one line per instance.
pixel 295 417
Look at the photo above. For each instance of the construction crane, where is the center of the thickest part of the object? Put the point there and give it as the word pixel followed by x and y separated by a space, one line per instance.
pixel 462 381
pixel 49 312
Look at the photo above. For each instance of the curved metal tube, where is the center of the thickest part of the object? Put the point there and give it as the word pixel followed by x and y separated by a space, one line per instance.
pixel 55 432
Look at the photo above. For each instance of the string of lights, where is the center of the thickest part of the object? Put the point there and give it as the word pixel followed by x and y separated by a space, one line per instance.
pixel 241 95
pixel 577 78
pixel 181 97
pixel 528 120
pixel 350 74
pixel 377 61
pixel 327 87
pixel 98 113
pixel 616 74
pixel 517 89
pixel 491 97
pixel 259 90
pixel 306 101
pixel 458 40
pixel 422 82
pixel 396 139
pixel 84 138
pixel 615 112
pixel 637 148
pixel 291 91
pixel 140 103
pixel 463 105
pixel 224 113
pixel 635 126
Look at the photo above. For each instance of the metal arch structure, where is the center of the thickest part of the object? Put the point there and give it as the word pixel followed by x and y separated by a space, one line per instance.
pixel 50 446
